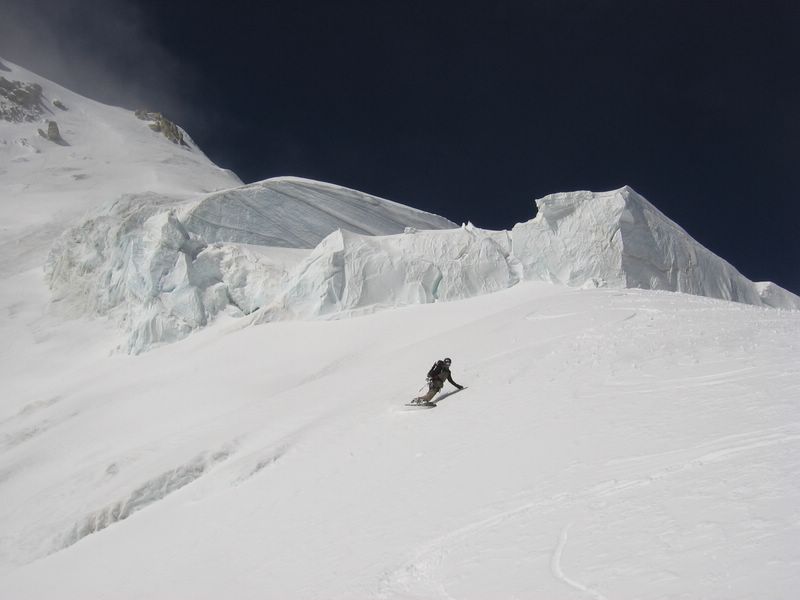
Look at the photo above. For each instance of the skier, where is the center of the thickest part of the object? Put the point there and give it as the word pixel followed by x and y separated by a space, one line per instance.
pixel 439 373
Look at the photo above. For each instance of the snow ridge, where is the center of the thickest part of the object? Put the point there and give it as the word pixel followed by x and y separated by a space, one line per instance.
pixel 165 268
pixel 298 213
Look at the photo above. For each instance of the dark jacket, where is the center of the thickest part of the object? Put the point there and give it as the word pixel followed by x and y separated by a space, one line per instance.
pixel 440 373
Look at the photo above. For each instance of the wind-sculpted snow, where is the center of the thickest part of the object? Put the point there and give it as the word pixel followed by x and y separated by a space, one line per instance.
pixel 166 267
pixel 298 213
pixel 775 296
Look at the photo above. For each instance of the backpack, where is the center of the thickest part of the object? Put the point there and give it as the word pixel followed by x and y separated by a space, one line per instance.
pixel 435 369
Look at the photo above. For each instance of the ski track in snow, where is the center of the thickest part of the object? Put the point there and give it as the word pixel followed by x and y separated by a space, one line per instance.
pixel 557 568
pixel 421 570
pixel 753 439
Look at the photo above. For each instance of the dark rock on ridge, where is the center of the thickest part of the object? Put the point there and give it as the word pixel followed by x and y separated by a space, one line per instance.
pixel 160 124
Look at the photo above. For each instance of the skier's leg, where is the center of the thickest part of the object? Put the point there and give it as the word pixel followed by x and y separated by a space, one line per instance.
pixel 432 391
pixel 425 397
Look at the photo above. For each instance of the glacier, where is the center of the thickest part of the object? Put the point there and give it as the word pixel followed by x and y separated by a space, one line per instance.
pixel 165 268
pixel 152 234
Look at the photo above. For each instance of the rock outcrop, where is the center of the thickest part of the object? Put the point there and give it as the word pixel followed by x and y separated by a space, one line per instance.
pixel 53 134
pixel 160 124
pixel 20 101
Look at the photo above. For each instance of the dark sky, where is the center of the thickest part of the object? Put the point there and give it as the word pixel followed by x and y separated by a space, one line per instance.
pixel 468 109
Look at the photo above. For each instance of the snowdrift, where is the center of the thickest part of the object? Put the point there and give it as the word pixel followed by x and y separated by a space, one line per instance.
pixel 164 269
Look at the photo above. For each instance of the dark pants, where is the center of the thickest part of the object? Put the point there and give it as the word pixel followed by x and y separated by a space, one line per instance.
pixel 434 387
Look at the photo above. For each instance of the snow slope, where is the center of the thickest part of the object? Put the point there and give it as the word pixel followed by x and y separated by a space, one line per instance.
pixel 611 443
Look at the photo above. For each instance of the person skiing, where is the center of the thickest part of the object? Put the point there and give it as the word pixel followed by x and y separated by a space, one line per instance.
pixel 438 374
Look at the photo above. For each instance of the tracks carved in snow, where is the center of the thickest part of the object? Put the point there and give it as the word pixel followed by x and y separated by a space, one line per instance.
pixel 558 570
pixel 724 451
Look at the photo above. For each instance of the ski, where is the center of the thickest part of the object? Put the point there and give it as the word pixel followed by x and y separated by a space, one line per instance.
pixel 421 404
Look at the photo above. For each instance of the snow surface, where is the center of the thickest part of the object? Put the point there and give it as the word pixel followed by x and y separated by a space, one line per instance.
pixel 611 443
pixel 298 213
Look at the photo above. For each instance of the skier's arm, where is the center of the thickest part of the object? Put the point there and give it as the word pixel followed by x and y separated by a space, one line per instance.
pixel 450 379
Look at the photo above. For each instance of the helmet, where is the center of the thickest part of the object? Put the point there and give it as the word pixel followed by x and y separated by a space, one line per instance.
pixel 447 361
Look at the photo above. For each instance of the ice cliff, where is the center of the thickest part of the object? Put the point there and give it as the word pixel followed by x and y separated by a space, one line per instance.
pixel 619 239
pixel 164 268
pixel 349 273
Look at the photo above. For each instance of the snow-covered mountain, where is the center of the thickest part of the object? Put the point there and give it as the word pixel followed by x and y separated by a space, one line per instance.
pixel 616 439
pixel 100 153
pixel 164 259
